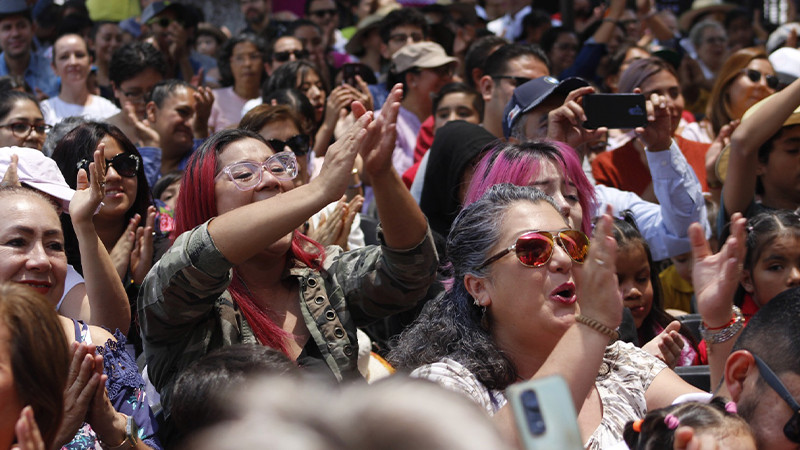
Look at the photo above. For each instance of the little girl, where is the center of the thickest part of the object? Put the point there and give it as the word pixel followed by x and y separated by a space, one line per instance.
pixel 641 291
pixel 662 428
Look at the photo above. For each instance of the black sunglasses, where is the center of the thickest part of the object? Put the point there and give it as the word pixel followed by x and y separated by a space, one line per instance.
pixel 320 13
pixel 126 164
pixel 516 81
pixel 299 144
pixel 792 427
pixel 755 77
pixel 284 56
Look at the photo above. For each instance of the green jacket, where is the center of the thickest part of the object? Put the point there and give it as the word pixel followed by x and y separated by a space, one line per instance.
pixel 185 310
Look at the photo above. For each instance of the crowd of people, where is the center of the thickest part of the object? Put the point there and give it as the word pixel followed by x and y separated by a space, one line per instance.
pixel 370 223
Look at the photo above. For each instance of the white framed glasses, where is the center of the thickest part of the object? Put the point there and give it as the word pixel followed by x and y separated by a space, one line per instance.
pixel 246 175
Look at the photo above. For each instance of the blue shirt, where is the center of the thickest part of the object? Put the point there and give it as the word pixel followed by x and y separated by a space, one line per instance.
pixel 151 159
pixel 39 74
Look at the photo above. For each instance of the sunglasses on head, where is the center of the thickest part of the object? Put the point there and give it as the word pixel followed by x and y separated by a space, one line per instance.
pixel 299 144
pixel 535 248
pixel 126 164
pixel 755 77
pixel 284 56
pixel 792 427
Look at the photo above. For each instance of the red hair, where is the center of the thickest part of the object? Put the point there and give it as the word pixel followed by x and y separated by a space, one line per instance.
pixel 197 204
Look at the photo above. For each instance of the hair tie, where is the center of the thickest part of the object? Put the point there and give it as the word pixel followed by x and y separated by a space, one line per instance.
pixel 731 407
pixel 637 425
pixel 671 421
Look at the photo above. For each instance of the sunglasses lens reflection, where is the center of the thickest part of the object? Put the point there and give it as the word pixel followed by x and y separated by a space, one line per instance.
pixel 534 249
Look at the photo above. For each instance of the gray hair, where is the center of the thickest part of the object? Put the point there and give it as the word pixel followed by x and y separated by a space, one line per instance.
pixel 450 324
pixel 696 33
pixel 59 131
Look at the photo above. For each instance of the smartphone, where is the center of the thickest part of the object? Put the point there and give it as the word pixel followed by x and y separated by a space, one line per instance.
pixel 614 111
pixel 350 70
pixel 544 414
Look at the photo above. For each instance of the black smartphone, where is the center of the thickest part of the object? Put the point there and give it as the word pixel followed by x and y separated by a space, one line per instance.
pixel 614 111
pixel 349 72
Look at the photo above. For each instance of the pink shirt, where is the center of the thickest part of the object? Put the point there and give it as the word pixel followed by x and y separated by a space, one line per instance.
pixel 227 109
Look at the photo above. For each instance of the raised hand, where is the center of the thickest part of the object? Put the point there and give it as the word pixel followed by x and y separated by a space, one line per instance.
pixel 598 291
pixel 715 277
pixel 658 133
pixel 722 140
pixel 565 123
pixel 27 431
pixel 667 346
pixel 141 256
pixel 146 136
pixel 204 100
pixel 121 252
pixel 339 159
pixel 90 190
pixel 10 178
pixel 82 382
pixel 378 148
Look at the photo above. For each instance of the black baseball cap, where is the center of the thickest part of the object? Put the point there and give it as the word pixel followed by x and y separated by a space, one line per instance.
pixel 532 93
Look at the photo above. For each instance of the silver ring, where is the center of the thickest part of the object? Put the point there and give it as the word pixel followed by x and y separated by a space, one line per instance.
pixel 600 262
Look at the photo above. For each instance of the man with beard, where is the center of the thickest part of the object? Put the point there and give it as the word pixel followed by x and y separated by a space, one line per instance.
pixel 256 15
pixel 762 374
pixel 18 57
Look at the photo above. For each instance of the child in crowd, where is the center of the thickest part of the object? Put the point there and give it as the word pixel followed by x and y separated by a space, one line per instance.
pixel 675 426
pixel 641 292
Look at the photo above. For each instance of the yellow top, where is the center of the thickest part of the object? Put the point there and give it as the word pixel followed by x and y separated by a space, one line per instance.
pixel 677 291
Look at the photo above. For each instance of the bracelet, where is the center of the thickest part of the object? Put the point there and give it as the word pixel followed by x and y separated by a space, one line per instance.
pixel 355 186
pixel 597 326
pixel 725 333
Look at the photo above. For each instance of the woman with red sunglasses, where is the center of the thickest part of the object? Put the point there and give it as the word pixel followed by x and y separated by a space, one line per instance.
pixel 512 314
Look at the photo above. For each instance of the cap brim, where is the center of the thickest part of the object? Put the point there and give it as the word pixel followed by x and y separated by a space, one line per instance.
pixel 564 87
pixel 61 193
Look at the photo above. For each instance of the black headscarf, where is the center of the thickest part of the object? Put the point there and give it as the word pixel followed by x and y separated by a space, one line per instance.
pixel 454 148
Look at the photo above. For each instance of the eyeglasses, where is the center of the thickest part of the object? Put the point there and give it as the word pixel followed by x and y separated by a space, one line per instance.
pixel 516 81
pixel 284 56
pixel 136 97
pixel 247 175
pixel 792 427
pixel 126 164
pixel 399 38
pixel 535 248
pixel 715 40
pixel 755 77
pixel 299 143
pixel 164 22
pixel 320 13
pixel 23 129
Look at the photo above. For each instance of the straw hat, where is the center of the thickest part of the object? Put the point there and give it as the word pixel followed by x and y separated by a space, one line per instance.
pixel 700 7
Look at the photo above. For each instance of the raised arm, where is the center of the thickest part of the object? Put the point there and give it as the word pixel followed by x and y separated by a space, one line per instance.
pixel 105 303
pixel 246 231
pixel 752 133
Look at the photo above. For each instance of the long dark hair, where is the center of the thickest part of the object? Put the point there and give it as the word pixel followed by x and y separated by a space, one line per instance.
pixel 226 52
pixel 451 324
pixel 627 234
pixel 79 144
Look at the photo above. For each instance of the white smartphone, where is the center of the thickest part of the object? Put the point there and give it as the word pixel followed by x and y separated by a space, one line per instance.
pixel 544 414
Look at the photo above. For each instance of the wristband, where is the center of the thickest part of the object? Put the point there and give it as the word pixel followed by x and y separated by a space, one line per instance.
pixel 721 334
pixel 597 326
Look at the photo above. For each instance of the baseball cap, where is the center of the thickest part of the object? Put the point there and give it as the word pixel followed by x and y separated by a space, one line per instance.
pixel 13 8
pixel 38 172
pixel 532 93
pixel 786 62
pixel 156 8
pixel 425 55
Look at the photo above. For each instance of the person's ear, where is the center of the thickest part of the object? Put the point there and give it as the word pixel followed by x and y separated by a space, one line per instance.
pixel 267 68
pixel 152 111
pixel 478 288
pixel 747 281
pixel 761 168
pixel 385 51
pixel 737 368
pixel 486 87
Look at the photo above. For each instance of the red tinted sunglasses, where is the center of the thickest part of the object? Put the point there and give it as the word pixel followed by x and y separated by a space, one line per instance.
pixel 535 248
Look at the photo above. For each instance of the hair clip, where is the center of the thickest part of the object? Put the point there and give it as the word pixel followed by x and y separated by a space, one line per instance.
pixel 731 407
pixel 637 425
pixel 671 421
pixel 748 229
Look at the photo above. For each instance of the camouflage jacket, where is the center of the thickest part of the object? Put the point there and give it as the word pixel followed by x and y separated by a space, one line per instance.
pixel 185 310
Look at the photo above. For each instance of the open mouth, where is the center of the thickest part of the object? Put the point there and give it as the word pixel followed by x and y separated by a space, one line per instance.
pixel 42 287
pixel 564 294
